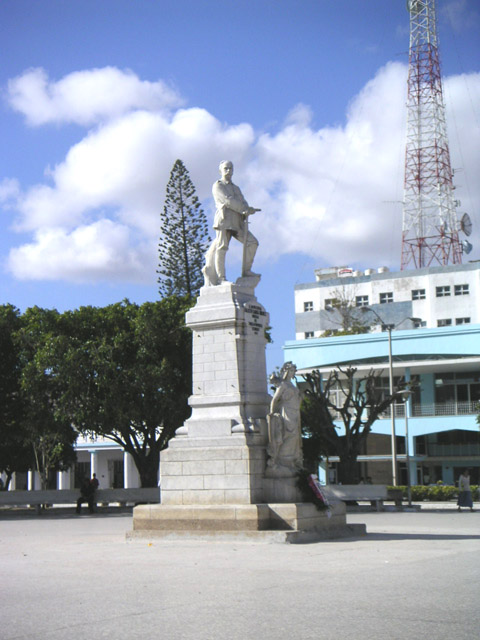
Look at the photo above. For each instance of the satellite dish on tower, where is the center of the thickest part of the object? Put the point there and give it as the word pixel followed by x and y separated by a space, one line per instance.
pixel 466 224
pixel 466 246
pixel 413 6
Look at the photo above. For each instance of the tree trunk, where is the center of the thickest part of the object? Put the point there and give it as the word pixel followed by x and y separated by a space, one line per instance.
pixel 147 467
pixel 347 469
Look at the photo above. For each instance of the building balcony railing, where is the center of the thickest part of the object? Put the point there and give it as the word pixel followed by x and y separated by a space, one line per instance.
pixel 435 409
pixel 427 410
pixel 445 409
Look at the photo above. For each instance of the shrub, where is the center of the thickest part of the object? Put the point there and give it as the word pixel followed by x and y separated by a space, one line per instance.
pixel 435 493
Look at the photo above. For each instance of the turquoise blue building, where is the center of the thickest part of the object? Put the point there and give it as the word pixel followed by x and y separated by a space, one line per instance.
pixel 443 360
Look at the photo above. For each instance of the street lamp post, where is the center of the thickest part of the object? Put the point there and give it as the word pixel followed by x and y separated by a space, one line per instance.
pixel 405 395
pixel 392 407
pixel 389 328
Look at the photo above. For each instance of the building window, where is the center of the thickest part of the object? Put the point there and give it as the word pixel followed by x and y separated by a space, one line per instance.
pixel 361 301
pixel 386 297
pixel 460 388
pixel 418 294
pixel 308 306
pixel 461 290
pixel 445 322
pixel 418 324
pixel 382 387
pixel 330 303
pixel 442 292
pixel 462 320
pixel 309 334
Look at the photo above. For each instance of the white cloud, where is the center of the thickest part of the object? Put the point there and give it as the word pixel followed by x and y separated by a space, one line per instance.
pixel 97 252
pixel 85 97
pixel 334 181
pixel 124 165
pixel 335 193
pixel 331 193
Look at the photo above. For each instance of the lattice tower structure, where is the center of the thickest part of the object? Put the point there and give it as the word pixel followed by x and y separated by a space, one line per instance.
pixel 430 225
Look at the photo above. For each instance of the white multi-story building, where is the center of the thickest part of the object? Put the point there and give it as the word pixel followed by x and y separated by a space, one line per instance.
pixel 433 316
pixel 434 297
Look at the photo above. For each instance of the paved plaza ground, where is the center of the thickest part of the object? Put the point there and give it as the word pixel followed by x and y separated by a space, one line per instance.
pixel 415 575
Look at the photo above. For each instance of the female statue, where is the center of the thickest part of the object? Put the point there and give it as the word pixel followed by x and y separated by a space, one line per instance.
pixel 284 431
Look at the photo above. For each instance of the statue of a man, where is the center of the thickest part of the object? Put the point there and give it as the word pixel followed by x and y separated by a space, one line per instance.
pixel 284 431
pixel 231 219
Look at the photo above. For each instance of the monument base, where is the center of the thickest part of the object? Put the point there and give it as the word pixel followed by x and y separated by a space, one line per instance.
pixel 291 522
pixel 281 490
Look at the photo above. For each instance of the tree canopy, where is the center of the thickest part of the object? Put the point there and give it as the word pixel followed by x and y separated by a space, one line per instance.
pixel 15 452
pixel 126 372
pixel 184 237
pixel 122 372
pixel 34 434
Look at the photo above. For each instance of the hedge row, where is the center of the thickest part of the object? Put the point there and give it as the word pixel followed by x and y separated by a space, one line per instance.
pixel 435 493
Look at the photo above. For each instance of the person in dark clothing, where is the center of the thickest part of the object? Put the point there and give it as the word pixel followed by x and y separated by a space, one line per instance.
pixel 94 483
pixel 87 491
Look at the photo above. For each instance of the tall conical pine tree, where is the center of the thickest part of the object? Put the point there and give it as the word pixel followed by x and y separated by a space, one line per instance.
pixel 184 237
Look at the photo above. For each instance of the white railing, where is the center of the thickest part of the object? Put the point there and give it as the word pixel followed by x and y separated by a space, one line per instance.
pixel 431 409
pixel 435 409
pixel 399 411
pixel 70 496
pixel 445 409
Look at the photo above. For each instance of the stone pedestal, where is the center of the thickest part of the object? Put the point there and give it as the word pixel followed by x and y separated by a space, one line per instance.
pixel 235 517
pixel 281 490
pixel 292 523
pixel 213 480
pixel 218 455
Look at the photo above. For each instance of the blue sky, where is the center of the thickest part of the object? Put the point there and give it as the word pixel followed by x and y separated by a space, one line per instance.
pixel 100 97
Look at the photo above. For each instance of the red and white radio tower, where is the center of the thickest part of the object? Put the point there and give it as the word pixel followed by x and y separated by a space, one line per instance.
pixel 430 225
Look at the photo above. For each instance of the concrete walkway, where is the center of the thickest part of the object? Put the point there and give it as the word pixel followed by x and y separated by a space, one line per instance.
pixel 415 575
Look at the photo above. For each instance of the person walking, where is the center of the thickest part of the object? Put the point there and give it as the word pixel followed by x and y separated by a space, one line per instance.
pixel 94 484
pixel 86 495
pixel 464 491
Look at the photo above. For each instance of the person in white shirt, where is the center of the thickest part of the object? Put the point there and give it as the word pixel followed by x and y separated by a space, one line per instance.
pixel 464 491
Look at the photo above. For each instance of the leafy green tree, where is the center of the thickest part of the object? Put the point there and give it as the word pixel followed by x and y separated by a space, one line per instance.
pixel 126 372
pixel 184 237
pixel 15 453
pixel 49 434
pixel 357 402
